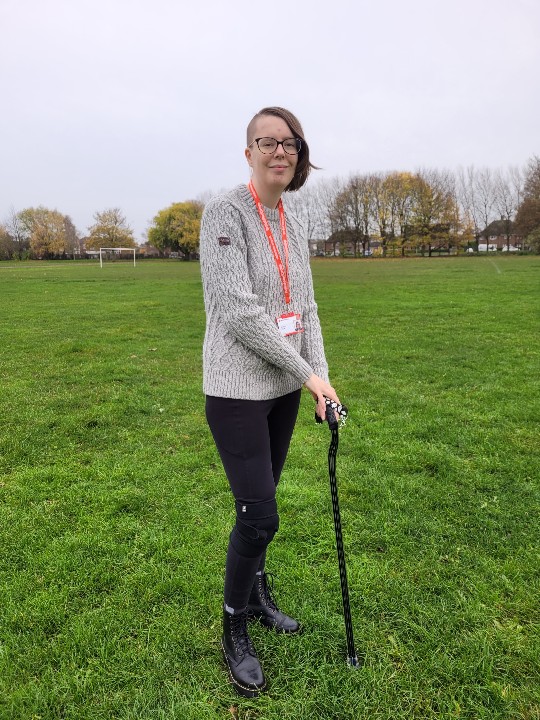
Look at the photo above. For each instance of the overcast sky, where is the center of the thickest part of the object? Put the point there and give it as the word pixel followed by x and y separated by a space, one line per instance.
pixel 140 103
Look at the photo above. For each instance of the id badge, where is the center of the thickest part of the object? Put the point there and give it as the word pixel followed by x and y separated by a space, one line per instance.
pixel 289 324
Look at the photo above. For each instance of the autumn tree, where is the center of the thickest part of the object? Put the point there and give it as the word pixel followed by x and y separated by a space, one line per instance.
pixel 49 234
pixel 7 246
pixel 110 230
pixel 528 214
pixel 177 227
pixel 434 215
pixel 392 208
pixel 48 237
pixel 402 185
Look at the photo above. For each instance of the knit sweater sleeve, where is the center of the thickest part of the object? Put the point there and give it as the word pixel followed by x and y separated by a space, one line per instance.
pixel 228 289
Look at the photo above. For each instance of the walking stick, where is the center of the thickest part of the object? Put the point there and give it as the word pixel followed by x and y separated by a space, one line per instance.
pixel 331 409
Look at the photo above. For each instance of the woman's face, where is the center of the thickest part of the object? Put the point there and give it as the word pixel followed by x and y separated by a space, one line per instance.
pixel 274 171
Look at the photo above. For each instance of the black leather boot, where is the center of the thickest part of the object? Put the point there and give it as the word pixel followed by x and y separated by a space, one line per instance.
pixel 263 606
pixel 244 668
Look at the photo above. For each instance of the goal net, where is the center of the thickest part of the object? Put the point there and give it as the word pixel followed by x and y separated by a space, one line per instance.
pixel 117 253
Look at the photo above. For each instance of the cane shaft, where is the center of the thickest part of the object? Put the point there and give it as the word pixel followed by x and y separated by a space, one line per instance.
pixel 352 659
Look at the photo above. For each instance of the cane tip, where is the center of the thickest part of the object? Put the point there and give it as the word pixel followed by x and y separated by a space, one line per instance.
pixel 353 662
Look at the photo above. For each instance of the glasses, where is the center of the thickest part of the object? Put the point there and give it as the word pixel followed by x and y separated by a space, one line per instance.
pixel 268 145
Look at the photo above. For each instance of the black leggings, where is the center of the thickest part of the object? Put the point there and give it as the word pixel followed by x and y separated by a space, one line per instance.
pixel 252 437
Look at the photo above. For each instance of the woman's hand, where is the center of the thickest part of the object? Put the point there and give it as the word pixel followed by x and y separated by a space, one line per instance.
pixel 319 388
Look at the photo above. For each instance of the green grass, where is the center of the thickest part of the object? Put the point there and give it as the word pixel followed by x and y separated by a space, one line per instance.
pixel 115 514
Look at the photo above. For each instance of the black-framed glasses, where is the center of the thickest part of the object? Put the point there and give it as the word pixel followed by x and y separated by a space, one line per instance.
pixel 268 145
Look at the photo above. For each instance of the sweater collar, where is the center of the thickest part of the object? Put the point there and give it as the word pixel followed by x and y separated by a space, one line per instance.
pixel 271 213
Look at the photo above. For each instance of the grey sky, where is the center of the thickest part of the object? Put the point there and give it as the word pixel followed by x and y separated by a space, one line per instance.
pixel 140 103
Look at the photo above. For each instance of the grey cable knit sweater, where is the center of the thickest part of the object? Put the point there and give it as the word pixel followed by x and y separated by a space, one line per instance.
pixel 244 354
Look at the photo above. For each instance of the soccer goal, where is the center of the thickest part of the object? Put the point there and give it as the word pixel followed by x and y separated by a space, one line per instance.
pixel 115 253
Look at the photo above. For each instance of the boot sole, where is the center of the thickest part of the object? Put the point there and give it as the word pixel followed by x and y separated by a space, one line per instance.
pixel 244 690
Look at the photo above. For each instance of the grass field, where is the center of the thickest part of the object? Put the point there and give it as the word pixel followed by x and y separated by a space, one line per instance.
pixel 111 492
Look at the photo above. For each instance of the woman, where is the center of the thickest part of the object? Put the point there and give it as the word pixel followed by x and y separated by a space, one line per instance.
pixel 262 344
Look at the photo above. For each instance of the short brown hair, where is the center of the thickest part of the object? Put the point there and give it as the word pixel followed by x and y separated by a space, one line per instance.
pixel 304 166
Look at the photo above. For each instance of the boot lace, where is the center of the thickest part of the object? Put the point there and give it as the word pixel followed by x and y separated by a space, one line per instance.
pixel 266 585
pixel 239 633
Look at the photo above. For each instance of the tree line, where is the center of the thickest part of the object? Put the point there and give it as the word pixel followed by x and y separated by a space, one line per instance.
pixel 42 233
pixel 45 234
pixel 428 210
pixel 398 212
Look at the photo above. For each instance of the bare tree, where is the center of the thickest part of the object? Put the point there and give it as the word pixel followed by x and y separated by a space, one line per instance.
pixel 507 194
pixel 465 200
pixel 351 213
pixel 484 195
pixel 517 183
pixel 203 197
pixel 19 233
pixel 73 239
pixel 381 207
pixel 307 206
pixel 504 205
pixel 331 220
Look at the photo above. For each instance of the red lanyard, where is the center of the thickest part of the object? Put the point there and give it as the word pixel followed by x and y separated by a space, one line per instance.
pixel 283 271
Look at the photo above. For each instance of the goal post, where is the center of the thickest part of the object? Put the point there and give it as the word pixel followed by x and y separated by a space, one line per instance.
pixel 116 251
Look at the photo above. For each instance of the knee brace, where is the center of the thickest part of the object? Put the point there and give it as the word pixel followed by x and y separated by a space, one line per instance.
pixel 256 525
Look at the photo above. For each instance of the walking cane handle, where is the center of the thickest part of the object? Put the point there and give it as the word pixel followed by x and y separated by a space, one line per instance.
pixel 332 407
pixel 331 417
